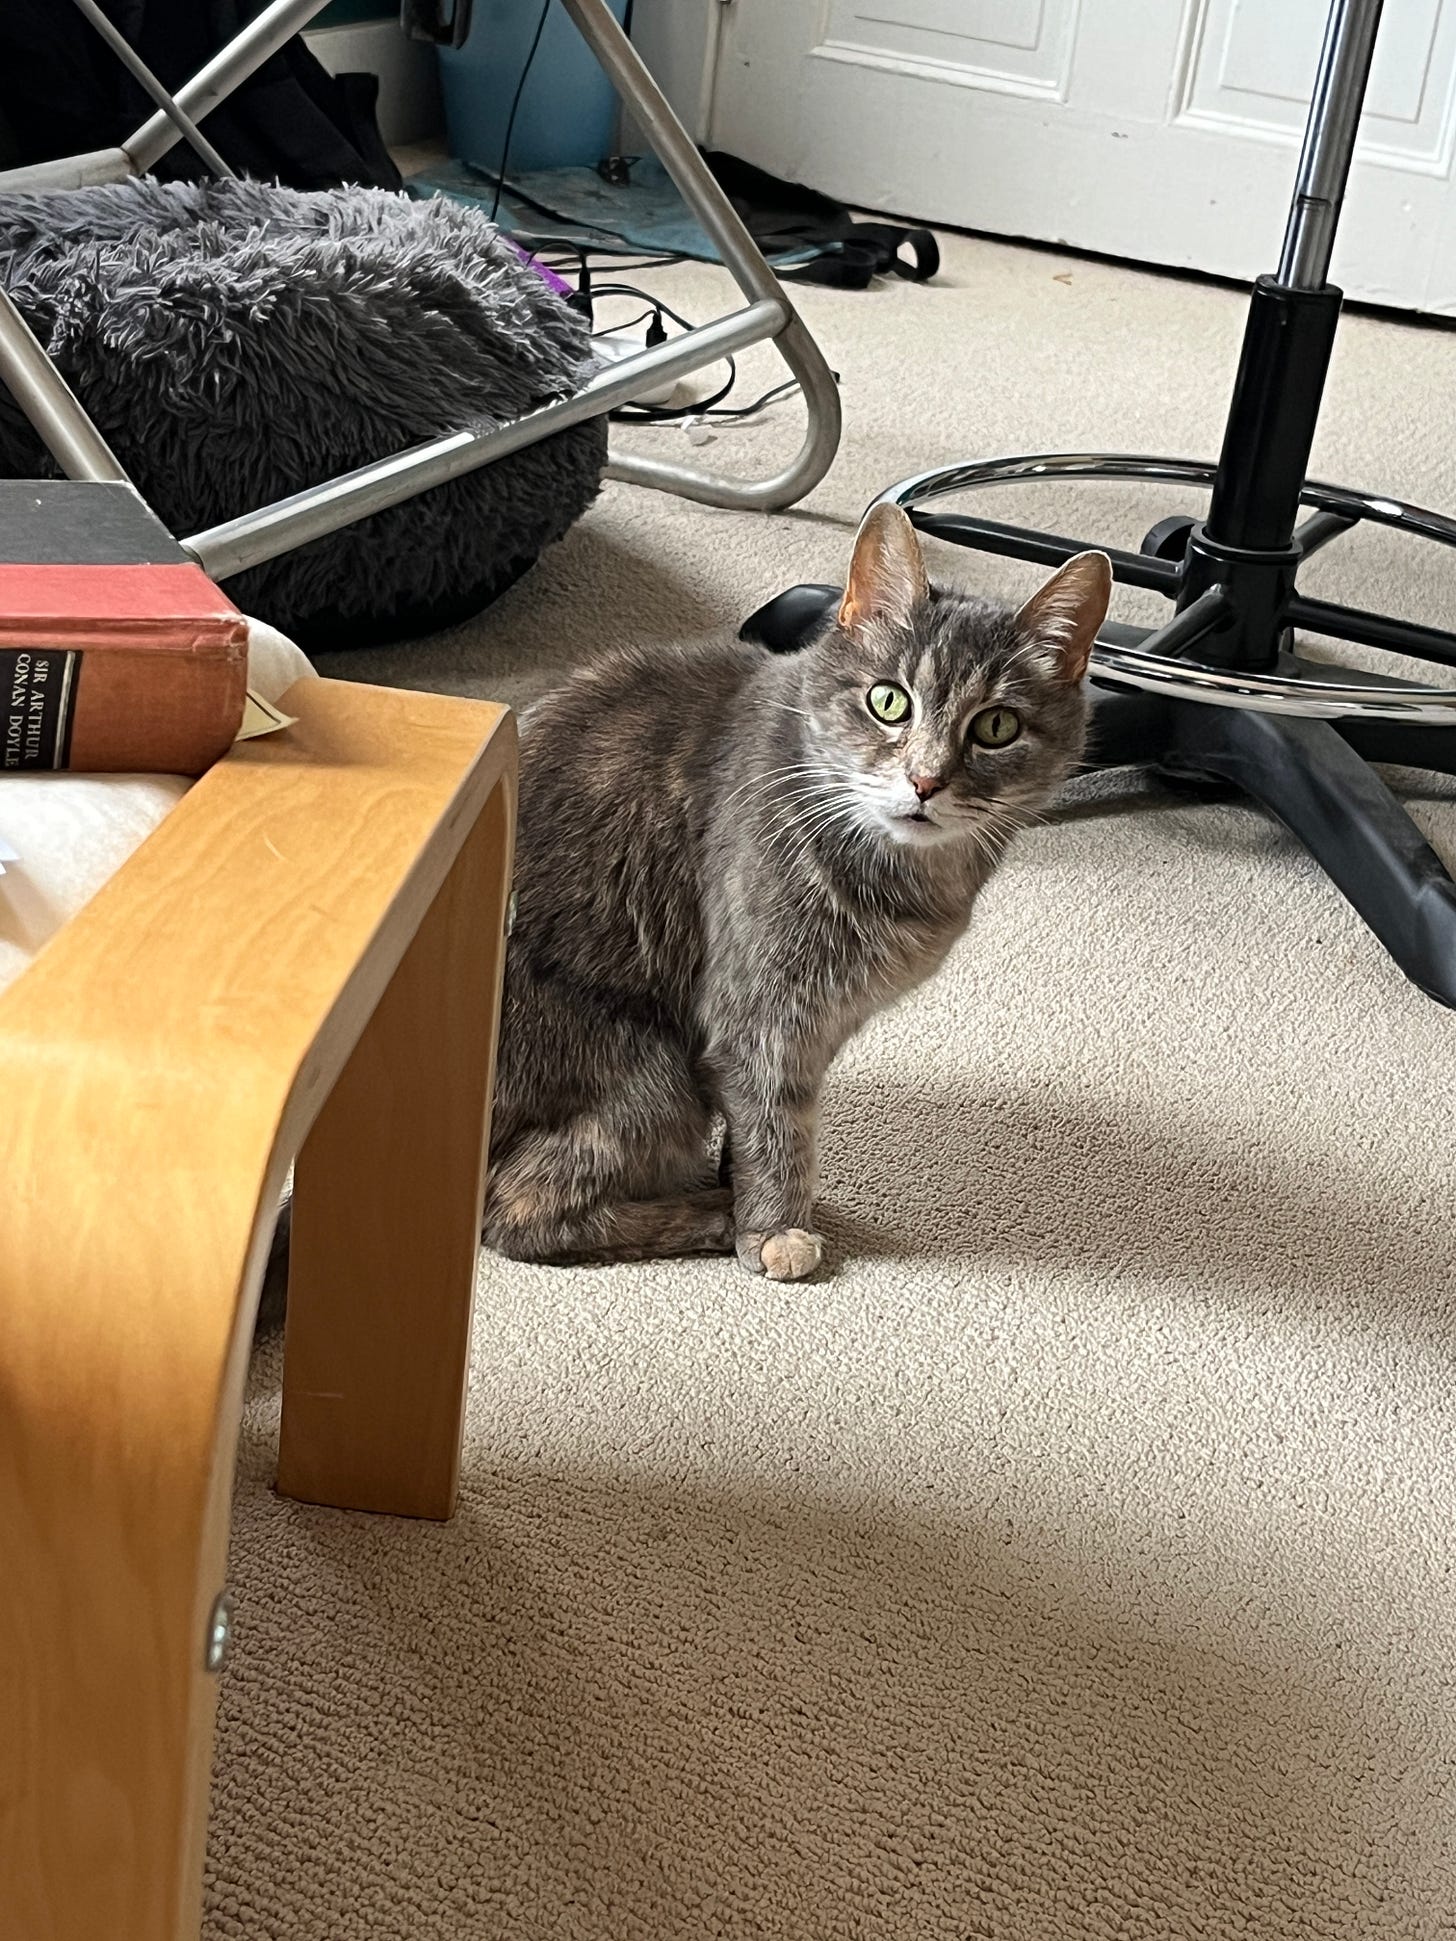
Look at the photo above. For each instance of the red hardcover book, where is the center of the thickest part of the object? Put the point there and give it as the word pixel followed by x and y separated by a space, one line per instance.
pixel 116 650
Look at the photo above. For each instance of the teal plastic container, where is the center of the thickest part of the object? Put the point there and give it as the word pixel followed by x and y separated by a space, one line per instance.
pixel 568 112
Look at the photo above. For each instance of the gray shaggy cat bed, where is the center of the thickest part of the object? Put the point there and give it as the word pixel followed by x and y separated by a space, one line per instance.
pixel 236 342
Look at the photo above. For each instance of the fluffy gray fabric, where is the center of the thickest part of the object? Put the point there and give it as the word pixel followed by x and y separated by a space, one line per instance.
pixel 237 341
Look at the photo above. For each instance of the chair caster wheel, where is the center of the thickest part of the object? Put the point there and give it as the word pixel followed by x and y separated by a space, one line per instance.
pixel 791 619
pixel 1169 538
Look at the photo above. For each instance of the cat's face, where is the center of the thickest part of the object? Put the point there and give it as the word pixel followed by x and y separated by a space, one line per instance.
pixel 939 718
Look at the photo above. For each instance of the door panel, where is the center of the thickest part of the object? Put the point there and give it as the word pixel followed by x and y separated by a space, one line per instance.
pixel 1252 70
pixel 1017 46
pixel 1165 131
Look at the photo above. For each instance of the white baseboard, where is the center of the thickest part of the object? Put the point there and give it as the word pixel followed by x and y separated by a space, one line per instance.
pixel 409 83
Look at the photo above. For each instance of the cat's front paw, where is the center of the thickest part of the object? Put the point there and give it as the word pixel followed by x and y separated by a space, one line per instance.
pixel 789 1255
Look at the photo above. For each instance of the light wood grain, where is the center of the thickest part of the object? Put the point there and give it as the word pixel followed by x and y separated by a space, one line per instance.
pixel 160 1064
pixel 386 1216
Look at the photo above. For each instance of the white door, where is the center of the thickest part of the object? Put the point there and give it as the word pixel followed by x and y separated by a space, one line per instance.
pixel 1161 130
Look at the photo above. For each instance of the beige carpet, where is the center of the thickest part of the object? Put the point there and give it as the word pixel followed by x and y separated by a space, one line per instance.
pixel 1077 1560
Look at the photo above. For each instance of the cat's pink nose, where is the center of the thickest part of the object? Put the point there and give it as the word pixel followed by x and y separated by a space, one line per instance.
pixel 926 785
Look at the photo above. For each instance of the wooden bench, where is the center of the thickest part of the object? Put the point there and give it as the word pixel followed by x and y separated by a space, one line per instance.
pixel 304 960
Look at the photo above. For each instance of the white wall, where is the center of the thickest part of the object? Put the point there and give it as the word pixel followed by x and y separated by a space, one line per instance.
pixel 673 36
pixel 409 87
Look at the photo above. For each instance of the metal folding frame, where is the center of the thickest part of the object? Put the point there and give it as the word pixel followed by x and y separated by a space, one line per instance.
pixel 767 316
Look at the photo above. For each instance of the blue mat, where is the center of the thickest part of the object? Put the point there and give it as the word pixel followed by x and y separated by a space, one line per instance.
pixel 643 216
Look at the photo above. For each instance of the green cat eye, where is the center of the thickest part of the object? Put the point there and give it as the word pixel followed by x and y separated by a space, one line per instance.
pixel 995 727
pixel 887 702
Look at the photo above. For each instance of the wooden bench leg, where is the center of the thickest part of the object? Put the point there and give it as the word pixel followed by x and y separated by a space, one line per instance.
pixel 159 1065
pixel 386 1214
pixel 106 1697
pixel 117 1436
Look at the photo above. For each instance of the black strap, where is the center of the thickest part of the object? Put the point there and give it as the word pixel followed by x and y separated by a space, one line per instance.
pixel 784 218
pixel 871 249
pixel 924 249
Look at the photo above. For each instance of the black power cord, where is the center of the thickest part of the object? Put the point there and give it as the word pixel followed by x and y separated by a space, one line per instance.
pixel 500 180
pixel 586 292
pixel 657 334
pixel 710 407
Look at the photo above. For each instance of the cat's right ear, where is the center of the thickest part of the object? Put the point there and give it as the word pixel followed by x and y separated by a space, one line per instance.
pixel 887 574
pixel 1066 613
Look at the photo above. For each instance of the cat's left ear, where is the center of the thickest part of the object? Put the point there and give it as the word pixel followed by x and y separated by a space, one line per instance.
pixel 1068 610
pixel 887 574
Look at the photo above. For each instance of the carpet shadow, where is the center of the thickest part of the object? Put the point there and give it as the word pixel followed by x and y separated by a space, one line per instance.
pixel 1074 1184
pixel 593 592
pixel 602 1706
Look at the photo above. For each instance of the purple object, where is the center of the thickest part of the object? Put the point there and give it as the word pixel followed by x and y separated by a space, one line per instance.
pixel 558 284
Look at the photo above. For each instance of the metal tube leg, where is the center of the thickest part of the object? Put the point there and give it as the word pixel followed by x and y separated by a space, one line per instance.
pixel 226 71
pixel 69 172
pixel 273 529
pixel 1329 143
pixel 50 404
pixel 678 154
pixel 135 66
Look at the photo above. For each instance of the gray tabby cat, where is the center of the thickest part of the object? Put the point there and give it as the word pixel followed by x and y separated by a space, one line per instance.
pixel 727 861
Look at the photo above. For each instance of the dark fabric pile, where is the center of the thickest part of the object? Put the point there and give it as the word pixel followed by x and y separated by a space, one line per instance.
pixel 63 92
pixel 236 342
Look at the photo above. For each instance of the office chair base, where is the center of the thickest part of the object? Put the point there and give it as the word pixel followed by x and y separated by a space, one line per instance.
pixel 1247 715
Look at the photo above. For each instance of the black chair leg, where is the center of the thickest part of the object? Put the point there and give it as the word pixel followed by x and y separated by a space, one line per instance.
pixel 1326 795
pixel 1128 727
pixel 1404 744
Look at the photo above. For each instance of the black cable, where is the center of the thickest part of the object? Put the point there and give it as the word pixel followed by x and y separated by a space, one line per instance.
pixel 610 330
pixel 747 410
pixel 544 246
pixel 515 104
pixel 667 414
pixel 535 250
pixel 643 296
pixel 710 407
pixel 663 413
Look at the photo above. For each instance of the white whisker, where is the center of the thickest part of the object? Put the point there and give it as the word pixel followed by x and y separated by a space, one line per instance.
pixel 757 784
pixel 784 707
pixel 835 804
